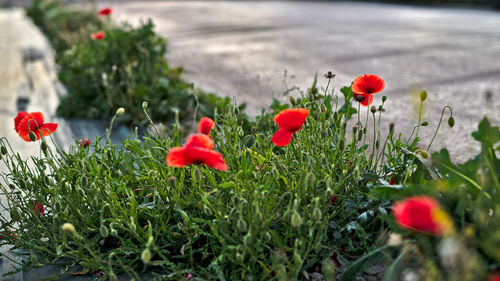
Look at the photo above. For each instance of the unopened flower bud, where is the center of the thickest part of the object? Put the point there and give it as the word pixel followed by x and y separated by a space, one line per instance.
pixel 292 100
pixel 373 109
pixel 296 219
pixel 146 256
pixel 329 269
pixel 425 123
pixel 120 111
pixel 423 95
pixel 391 127
pixel 104 231
pixel 145 105
pixel 355 129
pixel 68 228
pixel 171 181
pixel 297 258
pixel 424 153
pixel 310 179
pixel 384 98
pixel 451 121
pixel 242 225
pixel 44 146
pixel 4 150
pixel 323 108
pixel 85 142
pixel 317 214
pixel 32 136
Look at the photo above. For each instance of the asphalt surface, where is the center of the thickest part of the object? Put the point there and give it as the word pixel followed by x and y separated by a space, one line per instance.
pixel 242 48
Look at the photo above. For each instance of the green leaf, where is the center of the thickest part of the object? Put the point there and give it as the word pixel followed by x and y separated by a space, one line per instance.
pixel 368 260
pixel 486 134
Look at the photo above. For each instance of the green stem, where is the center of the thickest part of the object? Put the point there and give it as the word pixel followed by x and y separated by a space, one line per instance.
pixel 439 124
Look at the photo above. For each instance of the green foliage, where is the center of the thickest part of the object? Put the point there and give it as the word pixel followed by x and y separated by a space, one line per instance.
pixel 124 69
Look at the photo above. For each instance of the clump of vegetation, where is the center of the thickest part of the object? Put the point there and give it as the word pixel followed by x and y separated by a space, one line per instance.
pixel 106 66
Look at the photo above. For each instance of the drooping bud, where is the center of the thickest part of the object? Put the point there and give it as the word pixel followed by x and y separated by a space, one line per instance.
pixel 44 146
pixel 317 214
pixel 425 123
pixel 296 219
pixel 146 256
pixel 120 111
pixel 423 95
pixel 32 136
pixel 104 231
pixel 384 98
pixel 68 228
pixel 451 121
pixel 4 150
pixel 292 100
pixel 145 105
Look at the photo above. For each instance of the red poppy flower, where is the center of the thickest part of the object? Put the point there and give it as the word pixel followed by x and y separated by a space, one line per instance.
pixel 84 142
pixel 105 11
pixel 38 208
pixel 206 124
pixel 196 150
pixel 289 122
pixel 423 214
pixel 99 35
pixel 26 122
pixel 392 181
pixel 333 199
pixel 363 88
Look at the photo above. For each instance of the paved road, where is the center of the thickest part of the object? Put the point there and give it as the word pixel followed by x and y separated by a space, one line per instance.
pixel 243 48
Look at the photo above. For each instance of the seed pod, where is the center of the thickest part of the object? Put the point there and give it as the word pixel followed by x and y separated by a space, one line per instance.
pixel 423 95
pixel 425 123
pixel 4 150
pixel 373 109
pixel 146 256
pixel 451 121
pixel 104 231
pixel 32 136
pixel 292 100
pixel 296 219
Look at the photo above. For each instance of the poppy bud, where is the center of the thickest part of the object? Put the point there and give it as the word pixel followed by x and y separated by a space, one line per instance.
pixel 424 153
pixel 296 219
pixel 423 95
pixel 451 121
pixel 68 228
pixel 146 256
pixel 120 111
pixel 84 181
pixel 373 109
pixel 32 136
pixel 104 231
pixel 145 105
pixel 384 98
pixel 197 174
pixel 360 135
pixel 425 123
pixel 359 98
pixel 247 240
pixel 44 146
pixel 317 214
pixel 310 179
pixel 341 144
pixel 114 232
pixel 323 108
pixel 329 270
pixel 335 115
pixel 267 237
pixel 297 258
pixel 377 144
pixel 354 130
pixel 207 210
pixel 171 181
pixel 391 127
pixel 292 100
pixel 242 225
pixel 132 226
pixel 150 242
pixel 4 150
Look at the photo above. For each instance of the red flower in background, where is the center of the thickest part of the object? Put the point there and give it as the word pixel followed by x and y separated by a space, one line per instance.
pixel 363 88
pixel 38 208
pixel 99 35
pixel 85 142
pixel 196 150
pixel 495 277
pixel 105 11
pixel 205 126
pixel 333 199
pixel 26 122
pixel 423 214
pixel 289 122
pixel 392 181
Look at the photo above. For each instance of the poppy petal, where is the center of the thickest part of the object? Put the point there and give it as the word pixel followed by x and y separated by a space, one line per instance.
pixel 176 158
pixel 291 119
pixel 416 213
pixel 48 128
pixel 206 124
pixel 199 140
pixel 206 156
pixel 17 120
pixel 282 137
